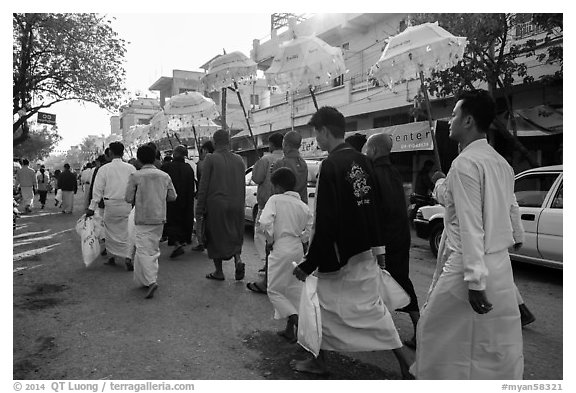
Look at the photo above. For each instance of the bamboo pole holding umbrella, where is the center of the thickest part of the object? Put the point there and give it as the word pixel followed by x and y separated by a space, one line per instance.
pixel 313 96
pixel 245 116
pixel 429 113
pixel 414 52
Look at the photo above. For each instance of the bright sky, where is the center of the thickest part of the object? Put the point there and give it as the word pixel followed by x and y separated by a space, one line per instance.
pixel 159 43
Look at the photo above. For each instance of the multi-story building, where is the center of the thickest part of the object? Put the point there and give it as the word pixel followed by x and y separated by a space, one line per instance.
pixel 180 82
pixel 365 105
pixel 138 111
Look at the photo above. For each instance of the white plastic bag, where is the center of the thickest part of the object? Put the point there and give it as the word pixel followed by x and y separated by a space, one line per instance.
pixel 131 235
pixel 393 295
pixel 89 240
pixel 309 319
pixel 58 197
pixel 98 224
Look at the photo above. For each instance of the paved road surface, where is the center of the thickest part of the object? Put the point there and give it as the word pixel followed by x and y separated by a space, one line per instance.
pixel 72 322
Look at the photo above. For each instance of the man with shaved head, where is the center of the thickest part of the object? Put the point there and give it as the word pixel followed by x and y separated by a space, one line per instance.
pixel 293 160
pixel 394 220
pixel 220 207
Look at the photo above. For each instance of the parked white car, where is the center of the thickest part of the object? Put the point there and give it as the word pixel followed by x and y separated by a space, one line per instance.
pixel 539 193
pixel 251 208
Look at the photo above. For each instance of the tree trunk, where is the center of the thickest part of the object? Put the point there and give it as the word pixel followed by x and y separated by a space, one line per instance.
pixel 16 140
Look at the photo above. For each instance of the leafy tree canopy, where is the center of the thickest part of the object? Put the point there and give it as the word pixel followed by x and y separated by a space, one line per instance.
pixel 59 57
pixel 38 145
pixel 492 56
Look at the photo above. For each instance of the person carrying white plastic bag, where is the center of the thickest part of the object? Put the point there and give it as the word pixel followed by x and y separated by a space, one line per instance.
pixel 90 246
pixel 309 320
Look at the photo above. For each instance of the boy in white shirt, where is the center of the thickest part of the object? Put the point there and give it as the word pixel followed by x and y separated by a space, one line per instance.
pixel 286 222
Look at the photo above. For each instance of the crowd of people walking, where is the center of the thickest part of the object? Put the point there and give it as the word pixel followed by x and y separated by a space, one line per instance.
pixel 469 326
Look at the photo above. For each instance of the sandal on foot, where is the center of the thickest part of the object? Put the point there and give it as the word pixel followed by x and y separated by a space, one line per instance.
pixel 240 271
pixel 255 288
pixel 212 276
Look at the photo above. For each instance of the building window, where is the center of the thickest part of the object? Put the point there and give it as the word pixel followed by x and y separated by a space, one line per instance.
pixel 121 123
pixel 402 26
pixel 184 90
pixel 143 121
pixel 339 81
pixel 254 100
pixel 346 46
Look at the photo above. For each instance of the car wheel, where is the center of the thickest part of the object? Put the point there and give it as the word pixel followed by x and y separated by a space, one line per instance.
pixel 435 236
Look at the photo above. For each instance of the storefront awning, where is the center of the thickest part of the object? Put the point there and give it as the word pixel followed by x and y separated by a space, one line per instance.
pixel 541 120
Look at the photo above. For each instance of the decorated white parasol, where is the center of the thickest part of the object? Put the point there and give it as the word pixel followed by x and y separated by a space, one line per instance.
pixel 158 125
pixel 192 106
pixel 226 71
pixel 136 135
pixel 185 126
pixel 305 62
pixel 417 52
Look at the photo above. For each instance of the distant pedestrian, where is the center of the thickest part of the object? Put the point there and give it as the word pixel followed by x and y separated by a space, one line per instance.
pixel 180 213
pixel 286 222
pixel 26 180
pixel 357 141
pixel 424 185
pixel 67 182
pixel 148 190
pixel 57 191
pixel 86 176
pixel 293 160
pixel 220 206
pixel 207 148
pixel 43 180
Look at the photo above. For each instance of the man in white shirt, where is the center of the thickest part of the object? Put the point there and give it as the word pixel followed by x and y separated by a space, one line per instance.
pixel 26 179
pixel 110 183
pixel 470 325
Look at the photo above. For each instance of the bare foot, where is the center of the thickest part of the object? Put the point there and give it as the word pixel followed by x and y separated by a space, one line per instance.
pixel 310 366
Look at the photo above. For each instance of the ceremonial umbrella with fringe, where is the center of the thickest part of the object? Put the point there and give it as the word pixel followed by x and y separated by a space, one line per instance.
pixel 305 62
pixel 417 52
pixel 194 107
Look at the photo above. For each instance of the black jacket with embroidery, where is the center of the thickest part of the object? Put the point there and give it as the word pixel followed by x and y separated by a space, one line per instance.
pixel 346 219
